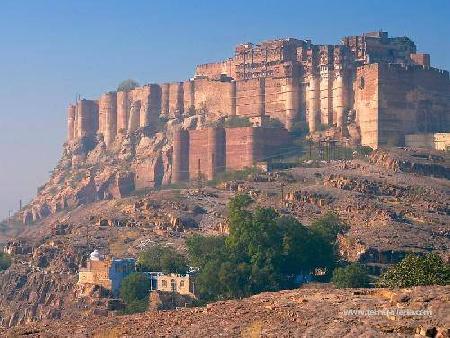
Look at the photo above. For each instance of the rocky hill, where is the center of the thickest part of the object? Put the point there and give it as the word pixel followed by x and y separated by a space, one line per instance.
pixel 89 171
pixel 391 211
pixel 307 312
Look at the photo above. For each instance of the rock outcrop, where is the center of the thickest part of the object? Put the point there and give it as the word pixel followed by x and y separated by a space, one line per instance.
pixel 414 161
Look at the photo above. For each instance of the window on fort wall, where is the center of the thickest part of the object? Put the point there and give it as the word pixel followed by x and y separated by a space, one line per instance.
pixel 182 284
pixel 164 284
pixel 361 82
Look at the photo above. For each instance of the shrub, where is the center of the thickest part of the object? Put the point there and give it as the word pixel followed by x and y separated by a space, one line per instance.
pixel 274 123
pixel 136 306
pixel 5 261
pixel 416 270
pixel 127 85
pixel 364 150
pixel 351 276
pixel 233 175
pixel 134 292
pixel 165 259
pixel 300 129
pixel 237 122
pixel 329 226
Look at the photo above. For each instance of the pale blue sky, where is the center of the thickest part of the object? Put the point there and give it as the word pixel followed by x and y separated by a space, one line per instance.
pixel 52 50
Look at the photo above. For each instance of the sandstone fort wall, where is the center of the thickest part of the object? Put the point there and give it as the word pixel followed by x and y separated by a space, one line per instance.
pixel 382 80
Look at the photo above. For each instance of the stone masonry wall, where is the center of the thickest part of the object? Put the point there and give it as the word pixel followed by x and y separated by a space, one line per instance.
pixel 366 103
pixel 215 150
pixel 297 82
pixel 412 99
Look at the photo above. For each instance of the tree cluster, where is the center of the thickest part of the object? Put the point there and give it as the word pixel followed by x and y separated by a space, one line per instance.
pixel 263 252
pixel 127 85
pixel 351 276
pixel 5 261
pixel 266 251
pixel 416 270
pixel 134 291
pixel 164 259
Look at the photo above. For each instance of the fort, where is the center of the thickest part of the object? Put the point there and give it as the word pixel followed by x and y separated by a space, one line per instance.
pixel 371 90
pixel 372 87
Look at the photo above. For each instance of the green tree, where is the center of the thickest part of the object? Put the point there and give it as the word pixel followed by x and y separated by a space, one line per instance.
pixel 263 252
pixel 203 249
pixel 352 276
pixel 127 85
pixel 134 291
pixel 416 270
pixel 5 261
pixel 165 259
pixel 329 226
pixel 304 250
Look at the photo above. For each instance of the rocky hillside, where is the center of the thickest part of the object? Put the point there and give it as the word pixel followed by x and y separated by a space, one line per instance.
pixel 89 171
pixel 308 312
pixel 390 213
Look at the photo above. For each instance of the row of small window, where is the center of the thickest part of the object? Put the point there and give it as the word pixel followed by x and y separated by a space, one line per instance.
pixel 172 282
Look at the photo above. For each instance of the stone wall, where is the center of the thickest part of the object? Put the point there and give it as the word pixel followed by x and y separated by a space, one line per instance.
pixel 176 98
pixel 412 99
pixel 180 157
pixel 108 116
pixel 214 96
pixel 87 118
pixel 366 103
pixel 71 125
pixel 214 70
pixel 394 100
pixel 240 148
pixel 438 141
pixel 96 273
pixel 421 59
pixel 297 82
pixel 250 99
pixel 210 151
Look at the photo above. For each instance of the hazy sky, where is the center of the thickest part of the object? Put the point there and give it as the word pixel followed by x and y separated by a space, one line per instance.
pixel 50 51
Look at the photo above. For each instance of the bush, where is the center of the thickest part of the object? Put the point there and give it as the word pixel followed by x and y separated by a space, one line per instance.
pixel 329 226
pixel 5 261
pixel 137 306
pixel 127 85
pixel 364 150
pixel 416 270
pixel 165 259
pixel 274 123
pixel 237 122
pixel 351 276
pixel 233 175
pixel 300 129
pixel 134 292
